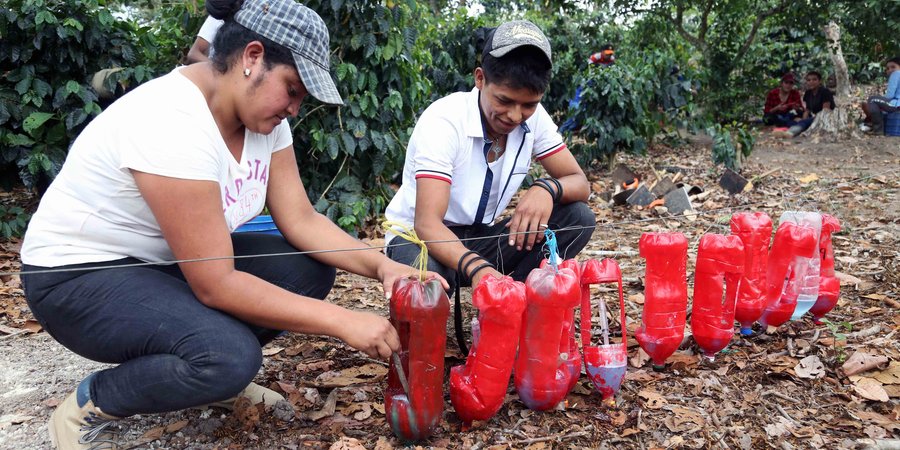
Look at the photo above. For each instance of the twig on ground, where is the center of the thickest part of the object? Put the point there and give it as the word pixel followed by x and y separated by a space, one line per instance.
pixel 781 396
pixel 785 414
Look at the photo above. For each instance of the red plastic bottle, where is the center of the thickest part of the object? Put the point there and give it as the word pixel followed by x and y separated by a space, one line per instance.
pixel 573 356
pixel 791 240
pixel 719 259
pixel 665 295
pixel 829 286
pixel 545 366
pixel 605 364
pixel 419 312
pixel 755 231
pixel 478 388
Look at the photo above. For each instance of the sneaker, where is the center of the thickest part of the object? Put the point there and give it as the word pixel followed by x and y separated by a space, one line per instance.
pixel 865 128
pixel 256 393
pixel 74 427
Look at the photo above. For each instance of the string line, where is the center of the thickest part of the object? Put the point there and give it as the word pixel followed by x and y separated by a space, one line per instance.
pixel 422 243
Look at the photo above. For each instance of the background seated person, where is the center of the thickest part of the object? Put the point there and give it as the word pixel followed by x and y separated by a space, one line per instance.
pixel 815 99
pixel 783 104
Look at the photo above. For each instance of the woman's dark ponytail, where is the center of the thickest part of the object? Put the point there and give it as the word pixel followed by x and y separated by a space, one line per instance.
pixel 223 9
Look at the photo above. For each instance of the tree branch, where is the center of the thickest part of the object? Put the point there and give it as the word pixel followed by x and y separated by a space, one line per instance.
pixel 704 20
pixel 756 24
pixel 678 23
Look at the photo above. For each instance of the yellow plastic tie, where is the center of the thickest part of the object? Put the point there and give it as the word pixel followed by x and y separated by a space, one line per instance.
pixel 405 232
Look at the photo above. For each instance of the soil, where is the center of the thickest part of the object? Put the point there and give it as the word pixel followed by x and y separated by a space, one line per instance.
pixel 785 388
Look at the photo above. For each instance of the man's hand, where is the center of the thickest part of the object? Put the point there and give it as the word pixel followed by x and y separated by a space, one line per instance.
pixel 531 216
pixel 369 333
pixel 483 273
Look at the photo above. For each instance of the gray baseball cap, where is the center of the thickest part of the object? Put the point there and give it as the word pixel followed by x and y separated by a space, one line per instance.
pixel 512 35
pixel 301 31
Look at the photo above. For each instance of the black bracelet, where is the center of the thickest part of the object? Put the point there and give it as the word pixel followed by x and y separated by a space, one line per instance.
pixel 459 264
pixel 557 196
pixel 543 185
pixel 477 269
pixel 466 266
pixel 559 189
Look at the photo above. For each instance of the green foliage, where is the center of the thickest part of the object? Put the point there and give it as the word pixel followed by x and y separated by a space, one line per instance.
pixel 348 155
pixel 49 51
pixel 453 62
pixel 839 332
pixel 13 221
pixel 731 143
pixel 625 106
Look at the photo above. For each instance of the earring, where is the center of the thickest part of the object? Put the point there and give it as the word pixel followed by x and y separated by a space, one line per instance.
pixel 246 71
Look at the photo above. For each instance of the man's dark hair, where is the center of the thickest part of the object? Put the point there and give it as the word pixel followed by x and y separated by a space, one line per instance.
pixel 816 73
pixel 525 67
pixel 895 60
pixel 233 37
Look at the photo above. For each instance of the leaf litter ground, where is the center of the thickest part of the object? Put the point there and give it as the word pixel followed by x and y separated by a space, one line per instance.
pixel 830 386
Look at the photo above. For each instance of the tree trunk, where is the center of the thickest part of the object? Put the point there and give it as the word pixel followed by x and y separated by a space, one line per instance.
pixel 836 122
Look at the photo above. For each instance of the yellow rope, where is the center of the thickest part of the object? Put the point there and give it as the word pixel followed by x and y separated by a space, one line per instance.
pixel 410 235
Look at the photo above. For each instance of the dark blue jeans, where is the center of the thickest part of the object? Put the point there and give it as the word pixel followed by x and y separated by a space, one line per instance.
pixel 780 120
pixel 878 106
pixel 508 260
pixel 172 351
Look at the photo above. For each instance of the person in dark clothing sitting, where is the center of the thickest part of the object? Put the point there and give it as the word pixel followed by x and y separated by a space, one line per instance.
pixel 815 99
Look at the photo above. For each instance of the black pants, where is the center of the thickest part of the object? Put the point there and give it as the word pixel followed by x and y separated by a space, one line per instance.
pixel 878 106
pixel 173 352
pixel 508 260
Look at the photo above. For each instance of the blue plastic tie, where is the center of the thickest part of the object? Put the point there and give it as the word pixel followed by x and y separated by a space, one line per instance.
pixel 551 248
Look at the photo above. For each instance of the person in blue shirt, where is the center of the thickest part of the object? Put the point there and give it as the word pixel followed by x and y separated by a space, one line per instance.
pixel 877 106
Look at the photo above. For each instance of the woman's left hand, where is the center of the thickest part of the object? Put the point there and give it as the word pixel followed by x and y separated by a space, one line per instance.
pixel 391 270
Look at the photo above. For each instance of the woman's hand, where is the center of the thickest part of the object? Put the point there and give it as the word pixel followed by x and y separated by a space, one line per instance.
pixel 530 218
pixel 369 333
pixel 390 271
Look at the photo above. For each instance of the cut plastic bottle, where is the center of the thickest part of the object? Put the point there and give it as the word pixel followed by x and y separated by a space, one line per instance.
pixel 791 241
pixel 805 270
pixel 665 295
pixel 720 266
pixel 829 285
pixel 755 231
pixel 478 388
pixel 414 400
pixel 545 366
pixel 605 364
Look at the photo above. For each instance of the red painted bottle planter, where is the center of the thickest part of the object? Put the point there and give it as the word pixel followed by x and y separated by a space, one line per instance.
pixel 829 286
pixel 605 364
pixel 545 368
pixel 755 231
pixel 791 240
pixel 419 312
pixel 478 388
pixel 665 295
pixel 720 259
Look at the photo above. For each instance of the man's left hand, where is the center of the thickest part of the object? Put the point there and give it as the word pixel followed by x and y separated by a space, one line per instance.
pixel 530 218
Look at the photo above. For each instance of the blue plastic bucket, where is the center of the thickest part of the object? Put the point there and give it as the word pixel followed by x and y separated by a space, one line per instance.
pixel 892 124
pixel 259 224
